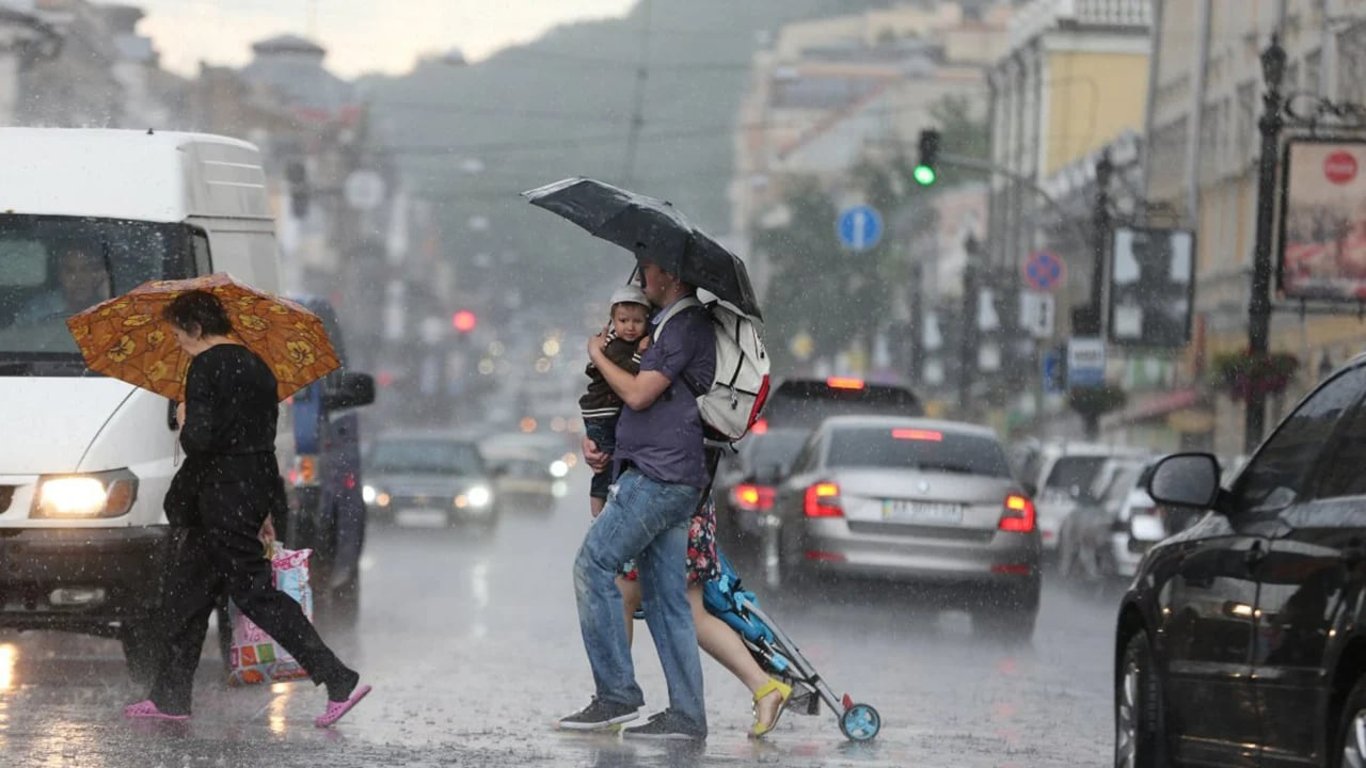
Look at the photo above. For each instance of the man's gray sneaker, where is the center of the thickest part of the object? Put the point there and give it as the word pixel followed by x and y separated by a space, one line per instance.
pixel 597 715
pixel 667 725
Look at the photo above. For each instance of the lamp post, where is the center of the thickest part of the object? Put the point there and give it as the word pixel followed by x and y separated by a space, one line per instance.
pixel 1100 243
pixel 967 345
pixel 1259 304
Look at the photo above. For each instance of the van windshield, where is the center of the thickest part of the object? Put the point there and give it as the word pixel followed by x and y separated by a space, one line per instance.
pixel 52 267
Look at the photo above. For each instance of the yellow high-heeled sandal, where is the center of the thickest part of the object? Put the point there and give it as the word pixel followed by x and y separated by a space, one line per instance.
pixel 785 691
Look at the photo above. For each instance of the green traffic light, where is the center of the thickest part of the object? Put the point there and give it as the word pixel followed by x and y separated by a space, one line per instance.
pixel 924 175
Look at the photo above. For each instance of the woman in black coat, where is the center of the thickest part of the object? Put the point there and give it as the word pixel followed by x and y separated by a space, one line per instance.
pixel 222 496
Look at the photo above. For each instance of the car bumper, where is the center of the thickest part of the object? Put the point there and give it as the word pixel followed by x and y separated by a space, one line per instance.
pixel 951 556
pixel 86 579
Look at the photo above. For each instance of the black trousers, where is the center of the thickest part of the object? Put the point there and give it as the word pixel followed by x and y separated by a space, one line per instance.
pixel 224 554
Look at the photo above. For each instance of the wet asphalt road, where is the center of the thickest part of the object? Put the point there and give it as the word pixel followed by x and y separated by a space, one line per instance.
pixel 472 644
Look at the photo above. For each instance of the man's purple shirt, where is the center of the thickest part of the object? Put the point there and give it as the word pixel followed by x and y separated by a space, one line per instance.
pixel 664 441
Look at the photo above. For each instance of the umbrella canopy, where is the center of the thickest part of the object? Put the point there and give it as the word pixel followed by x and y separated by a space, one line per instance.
pixel 126 339
pixel 651 229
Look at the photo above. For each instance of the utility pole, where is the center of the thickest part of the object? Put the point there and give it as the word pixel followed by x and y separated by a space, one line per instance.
pixel 1259 304
pixel 967 345
pixel 1094 324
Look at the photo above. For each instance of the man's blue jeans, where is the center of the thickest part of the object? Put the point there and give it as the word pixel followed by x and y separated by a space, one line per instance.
pixel 646 520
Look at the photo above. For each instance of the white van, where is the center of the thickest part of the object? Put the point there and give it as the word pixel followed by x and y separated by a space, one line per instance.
pixel 84 215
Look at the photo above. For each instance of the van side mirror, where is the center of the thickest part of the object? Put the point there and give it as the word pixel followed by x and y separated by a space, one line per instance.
pixel 349 390
pixel 1186 480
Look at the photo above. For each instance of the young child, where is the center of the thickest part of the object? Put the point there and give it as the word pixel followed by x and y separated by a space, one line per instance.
pixel 601 406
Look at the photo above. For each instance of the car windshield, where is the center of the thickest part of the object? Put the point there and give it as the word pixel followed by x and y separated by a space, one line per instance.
pixel 426 456
pixel 807 403
pixel 1074 472
pixel 52 267
pixel 919 449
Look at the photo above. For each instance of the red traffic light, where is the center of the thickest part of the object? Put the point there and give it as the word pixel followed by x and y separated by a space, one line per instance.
pixel 464 321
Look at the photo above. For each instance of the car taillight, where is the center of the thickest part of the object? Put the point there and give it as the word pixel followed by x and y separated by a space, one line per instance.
pixel 753 498
pixel 1018 515
pixel 760 427
pixel 823 500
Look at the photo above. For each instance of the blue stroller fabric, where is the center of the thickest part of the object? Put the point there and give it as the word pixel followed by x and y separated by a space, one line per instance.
pixel 724 597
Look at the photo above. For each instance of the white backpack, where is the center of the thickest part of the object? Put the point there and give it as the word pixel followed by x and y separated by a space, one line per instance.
pixel 740 387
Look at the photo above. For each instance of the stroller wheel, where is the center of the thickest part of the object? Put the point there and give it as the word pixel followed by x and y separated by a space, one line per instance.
pixel 860 723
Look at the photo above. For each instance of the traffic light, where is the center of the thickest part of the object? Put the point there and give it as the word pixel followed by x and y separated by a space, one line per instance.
pixel 926 170
pixel 464 321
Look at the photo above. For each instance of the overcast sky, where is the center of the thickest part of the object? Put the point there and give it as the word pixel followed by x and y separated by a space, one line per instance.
pixel 359 35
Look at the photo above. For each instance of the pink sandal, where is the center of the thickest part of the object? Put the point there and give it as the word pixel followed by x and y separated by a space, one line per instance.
pixel 336 709
pixel 147 710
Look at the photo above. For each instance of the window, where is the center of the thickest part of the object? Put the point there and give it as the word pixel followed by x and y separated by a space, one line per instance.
pixel 1313 71
pixel 426 456
pixel 203 262
pixel 1343 476
pixel 1280 472
pixel 921 450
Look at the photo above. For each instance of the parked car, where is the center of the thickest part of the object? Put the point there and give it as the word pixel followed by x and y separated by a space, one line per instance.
pixel 1086 539
pixel 1061 473
pixel 916 500
pixel 429 478
pixel 1242 640
pixel 747 481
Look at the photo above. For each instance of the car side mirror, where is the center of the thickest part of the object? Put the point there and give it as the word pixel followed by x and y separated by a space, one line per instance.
pixel 1186 480
pixel 349 390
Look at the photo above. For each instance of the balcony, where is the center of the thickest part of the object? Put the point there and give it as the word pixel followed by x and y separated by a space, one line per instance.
pixel 1035 18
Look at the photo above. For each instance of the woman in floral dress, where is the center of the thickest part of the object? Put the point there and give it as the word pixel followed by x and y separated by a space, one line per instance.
pixel 713 635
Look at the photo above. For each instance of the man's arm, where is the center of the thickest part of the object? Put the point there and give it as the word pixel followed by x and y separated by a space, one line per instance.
pixel 638 391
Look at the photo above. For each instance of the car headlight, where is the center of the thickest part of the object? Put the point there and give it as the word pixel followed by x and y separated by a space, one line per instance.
pixel 559 468
pixel 369 494
pixel 479 496
pixel 101 494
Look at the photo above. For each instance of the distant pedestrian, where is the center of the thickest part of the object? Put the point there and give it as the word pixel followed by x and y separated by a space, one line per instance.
pixel 600 406
pixel 664 470
pixel 220 499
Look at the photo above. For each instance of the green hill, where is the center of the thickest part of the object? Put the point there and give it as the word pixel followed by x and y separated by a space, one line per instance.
pixel 562 106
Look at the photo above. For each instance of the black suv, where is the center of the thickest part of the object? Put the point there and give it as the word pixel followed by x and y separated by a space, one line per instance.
pixel 1243 638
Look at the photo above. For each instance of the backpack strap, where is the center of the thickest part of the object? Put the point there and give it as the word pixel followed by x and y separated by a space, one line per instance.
pixel 687 302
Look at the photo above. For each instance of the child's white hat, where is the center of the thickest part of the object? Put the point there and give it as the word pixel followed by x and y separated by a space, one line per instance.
pixel 629 294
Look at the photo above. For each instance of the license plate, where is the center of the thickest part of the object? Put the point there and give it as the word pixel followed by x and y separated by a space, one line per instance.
pixel 422 518
pixel 922 513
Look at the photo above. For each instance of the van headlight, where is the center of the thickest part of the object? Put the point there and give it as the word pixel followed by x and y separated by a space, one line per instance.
pixel 369 494
pixel 100 494
pixel 559 468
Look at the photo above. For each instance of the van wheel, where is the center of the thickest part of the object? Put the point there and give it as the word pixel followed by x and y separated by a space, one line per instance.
pixel 1140 741
pixel 1350 747
pixel 142 650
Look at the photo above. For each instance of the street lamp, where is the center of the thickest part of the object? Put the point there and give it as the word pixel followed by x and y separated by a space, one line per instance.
pixel 1259 303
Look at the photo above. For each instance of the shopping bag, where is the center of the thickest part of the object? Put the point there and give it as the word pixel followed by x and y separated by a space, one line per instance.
pixel 254 657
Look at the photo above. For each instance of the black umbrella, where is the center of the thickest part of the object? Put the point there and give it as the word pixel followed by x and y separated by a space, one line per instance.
pixel 651 229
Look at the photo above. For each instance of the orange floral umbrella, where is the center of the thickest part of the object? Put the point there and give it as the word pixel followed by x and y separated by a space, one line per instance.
pixel 126 339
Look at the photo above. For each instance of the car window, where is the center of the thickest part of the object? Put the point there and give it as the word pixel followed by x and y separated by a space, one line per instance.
pixel 1280 472
pixel 925 450
pixel 778 447
pixel 1077 472
pixel 806 459
pixel 1343 476
pixel 426 456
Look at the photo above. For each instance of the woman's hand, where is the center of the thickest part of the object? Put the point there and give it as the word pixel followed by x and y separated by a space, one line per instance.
pixel 596 460
pixel 267 532
pixel 180 414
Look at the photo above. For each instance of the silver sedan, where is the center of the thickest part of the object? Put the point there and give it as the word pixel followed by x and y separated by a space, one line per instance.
pixel 917 500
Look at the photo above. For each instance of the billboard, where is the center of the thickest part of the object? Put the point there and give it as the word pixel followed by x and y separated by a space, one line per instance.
pixel 1323 220
pixel 1152 287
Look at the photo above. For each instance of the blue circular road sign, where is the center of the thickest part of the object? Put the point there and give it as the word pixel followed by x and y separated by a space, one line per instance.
pixel 859 228
pixel 1044 271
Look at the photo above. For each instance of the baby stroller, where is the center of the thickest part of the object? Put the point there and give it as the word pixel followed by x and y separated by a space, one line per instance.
pixel 726 599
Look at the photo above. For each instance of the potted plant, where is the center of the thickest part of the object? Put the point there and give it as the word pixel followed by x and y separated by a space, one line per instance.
pixel 1091 403
pixel 1240 374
